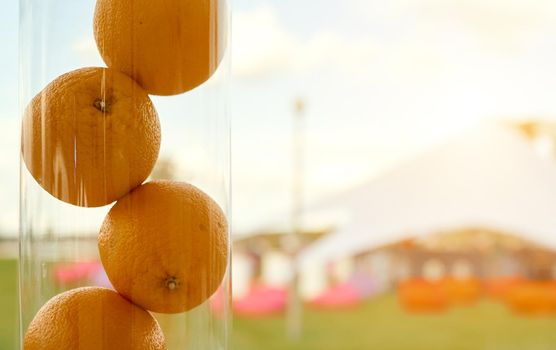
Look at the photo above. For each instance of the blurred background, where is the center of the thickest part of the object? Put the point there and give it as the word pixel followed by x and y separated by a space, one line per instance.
pixel 394 175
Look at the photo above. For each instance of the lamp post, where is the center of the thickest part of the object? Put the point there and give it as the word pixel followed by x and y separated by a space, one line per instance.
pixel 295 306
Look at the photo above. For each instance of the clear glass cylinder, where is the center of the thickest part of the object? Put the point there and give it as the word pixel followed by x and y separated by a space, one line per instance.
pixel 108 157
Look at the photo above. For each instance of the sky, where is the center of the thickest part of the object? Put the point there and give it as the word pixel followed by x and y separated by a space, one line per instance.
pixel 382 81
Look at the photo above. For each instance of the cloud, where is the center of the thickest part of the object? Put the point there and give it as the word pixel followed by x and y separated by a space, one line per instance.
pixel 259 42
pixel 500 24
pixel 263 44
pixel 496 25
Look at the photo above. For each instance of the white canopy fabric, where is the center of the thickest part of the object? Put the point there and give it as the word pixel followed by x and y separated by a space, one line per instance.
pixel 489 177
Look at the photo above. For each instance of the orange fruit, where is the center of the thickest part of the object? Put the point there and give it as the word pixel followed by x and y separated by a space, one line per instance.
pixel 93 318
pixel 90 136
pixel 165 246
pixel 167 48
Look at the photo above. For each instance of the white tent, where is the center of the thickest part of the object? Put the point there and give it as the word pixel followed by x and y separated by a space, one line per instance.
pixel 490 177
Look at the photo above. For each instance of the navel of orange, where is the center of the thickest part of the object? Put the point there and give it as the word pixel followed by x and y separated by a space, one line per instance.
pixel 91 136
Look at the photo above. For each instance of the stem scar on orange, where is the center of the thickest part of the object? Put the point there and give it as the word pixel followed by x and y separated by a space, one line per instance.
pixel 164 246
pixel 169 47
pixel 90 136
pixel 93 318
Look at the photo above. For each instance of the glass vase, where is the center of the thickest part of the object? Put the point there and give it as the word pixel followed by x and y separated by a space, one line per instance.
pixel 125 170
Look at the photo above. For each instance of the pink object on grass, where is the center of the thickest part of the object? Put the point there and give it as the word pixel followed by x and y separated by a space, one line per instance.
pixel 69 273
pixel 262 301
pixel 100 279
pixel 342 296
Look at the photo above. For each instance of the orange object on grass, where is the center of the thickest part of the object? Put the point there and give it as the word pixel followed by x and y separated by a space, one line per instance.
pixel 418 295
pixel 168 49
pixel 533 298
pixel 462 291
pixel 90 137
pixel 498 287
pixel 165 247
pixel 93 318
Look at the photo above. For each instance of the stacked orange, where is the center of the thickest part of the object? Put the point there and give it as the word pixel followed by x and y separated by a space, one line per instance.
pixel 92 137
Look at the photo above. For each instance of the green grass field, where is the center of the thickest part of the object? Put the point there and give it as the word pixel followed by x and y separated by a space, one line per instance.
pixel 379 324
pixel 8 305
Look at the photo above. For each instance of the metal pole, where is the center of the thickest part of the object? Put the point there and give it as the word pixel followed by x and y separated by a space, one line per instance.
pixel 295 304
